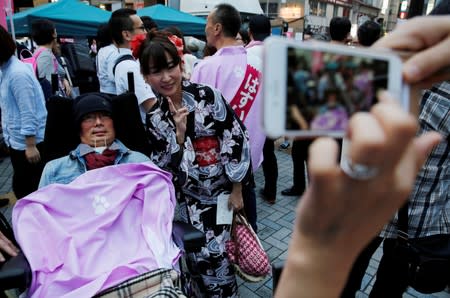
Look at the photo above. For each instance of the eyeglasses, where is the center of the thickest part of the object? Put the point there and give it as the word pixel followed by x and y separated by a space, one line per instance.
pixel 140 28
pixel 92 117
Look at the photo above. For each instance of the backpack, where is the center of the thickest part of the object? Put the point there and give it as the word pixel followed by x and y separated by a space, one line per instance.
pixel 45 84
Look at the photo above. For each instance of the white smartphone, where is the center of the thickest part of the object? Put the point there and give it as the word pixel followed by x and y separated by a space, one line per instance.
pixel 312 88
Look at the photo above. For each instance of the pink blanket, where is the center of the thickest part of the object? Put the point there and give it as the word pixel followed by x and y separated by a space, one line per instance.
pixel 106 226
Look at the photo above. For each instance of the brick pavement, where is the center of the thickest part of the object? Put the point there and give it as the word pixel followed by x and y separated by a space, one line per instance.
pixel 275 228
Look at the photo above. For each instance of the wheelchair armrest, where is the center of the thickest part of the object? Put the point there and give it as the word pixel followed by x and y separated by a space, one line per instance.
pixel 187 237
pixel 15 273
pixel 277 268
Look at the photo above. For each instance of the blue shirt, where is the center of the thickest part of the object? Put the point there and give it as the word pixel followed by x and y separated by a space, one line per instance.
pixel 65 169
pixel 22 104
pixel 106 58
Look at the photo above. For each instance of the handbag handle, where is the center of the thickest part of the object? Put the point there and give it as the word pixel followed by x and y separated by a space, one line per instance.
pixel 242 218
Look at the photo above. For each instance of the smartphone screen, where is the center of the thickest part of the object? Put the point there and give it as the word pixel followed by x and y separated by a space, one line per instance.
pixel 324 89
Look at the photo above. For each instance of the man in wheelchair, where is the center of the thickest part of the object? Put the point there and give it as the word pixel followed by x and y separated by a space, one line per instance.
pixel 106 231
pixel 99 146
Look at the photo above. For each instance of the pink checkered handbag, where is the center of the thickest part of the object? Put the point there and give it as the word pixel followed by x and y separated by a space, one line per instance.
pixel 245 251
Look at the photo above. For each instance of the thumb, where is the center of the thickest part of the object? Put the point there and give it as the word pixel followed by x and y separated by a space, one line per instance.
pixel 424 144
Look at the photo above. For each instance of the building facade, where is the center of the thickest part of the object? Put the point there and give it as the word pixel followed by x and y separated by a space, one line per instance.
pixel 317 14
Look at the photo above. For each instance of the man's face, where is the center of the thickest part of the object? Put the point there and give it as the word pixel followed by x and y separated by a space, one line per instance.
pixel 97 129
pixel 138 28
pixel 210 29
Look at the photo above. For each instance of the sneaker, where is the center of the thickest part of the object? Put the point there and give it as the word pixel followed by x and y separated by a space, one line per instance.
pixel 285 145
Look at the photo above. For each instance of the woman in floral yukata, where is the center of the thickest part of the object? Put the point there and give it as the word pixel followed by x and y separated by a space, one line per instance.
pixel 197 136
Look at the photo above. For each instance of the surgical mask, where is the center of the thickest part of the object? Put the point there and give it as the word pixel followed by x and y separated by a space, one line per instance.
pixel 100 149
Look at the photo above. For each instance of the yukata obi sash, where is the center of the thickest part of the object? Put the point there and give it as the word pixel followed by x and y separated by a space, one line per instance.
pixel 246 94
pixel 108 225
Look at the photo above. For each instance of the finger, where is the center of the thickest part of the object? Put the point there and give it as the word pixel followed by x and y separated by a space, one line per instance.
pixel 183 113
pixel 172 108
pixel 427 82
pixel 409 36
pixel 424 144
pixel 367 140
pixel 8 247
pixel 426 63
pixel 322 162
pixel 183 110
pixel 399 128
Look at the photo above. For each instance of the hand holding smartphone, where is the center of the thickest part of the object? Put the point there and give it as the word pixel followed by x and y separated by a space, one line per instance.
pixel 312 88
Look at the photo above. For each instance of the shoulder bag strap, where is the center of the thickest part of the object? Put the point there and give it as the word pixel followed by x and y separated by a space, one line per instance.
pixel 402 223
pixel 36 55
pixel 66 70
pixel 121 59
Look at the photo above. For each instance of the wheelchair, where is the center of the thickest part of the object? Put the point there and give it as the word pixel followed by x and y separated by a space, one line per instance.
pixel 60 138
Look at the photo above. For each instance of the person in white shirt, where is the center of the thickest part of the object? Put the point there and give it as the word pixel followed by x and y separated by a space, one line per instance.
pixel 124 25
pixel 106 52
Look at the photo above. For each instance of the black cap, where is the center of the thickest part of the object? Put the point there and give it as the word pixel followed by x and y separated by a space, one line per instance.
pixel 259 26
pixel 89 103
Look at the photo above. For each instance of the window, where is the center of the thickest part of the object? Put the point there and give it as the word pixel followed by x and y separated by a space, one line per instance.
pixel 346 12
pixel 335 10
pixel 313 4
pixel 273 9
pixel 322 11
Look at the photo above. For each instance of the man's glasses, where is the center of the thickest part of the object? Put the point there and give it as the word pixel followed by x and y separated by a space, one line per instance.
pixel 140 28
pixel 92 117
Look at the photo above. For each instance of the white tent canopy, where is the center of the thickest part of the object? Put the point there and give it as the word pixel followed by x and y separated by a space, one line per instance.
pixel 203 7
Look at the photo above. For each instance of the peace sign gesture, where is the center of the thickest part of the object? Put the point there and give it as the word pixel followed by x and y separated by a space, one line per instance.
pixel 180 118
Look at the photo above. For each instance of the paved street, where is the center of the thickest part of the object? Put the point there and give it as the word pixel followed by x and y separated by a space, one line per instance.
pixel 275 226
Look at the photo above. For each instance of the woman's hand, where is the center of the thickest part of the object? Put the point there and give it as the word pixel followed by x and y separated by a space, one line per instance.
pixel 180 118
pixel 338 214
pixel 428 40
pixel 349 208
pixel 7 247
pixel 235 201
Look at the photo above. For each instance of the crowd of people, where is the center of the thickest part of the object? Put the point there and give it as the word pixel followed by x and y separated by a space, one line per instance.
pixel 202 121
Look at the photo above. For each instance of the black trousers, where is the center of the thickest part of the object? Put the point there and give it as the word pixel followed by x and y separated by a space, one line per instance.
pixel 359 269
pixel 392 274
pixel 391 280
pixel 299 156
pixel 270 168
pixel 26 175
